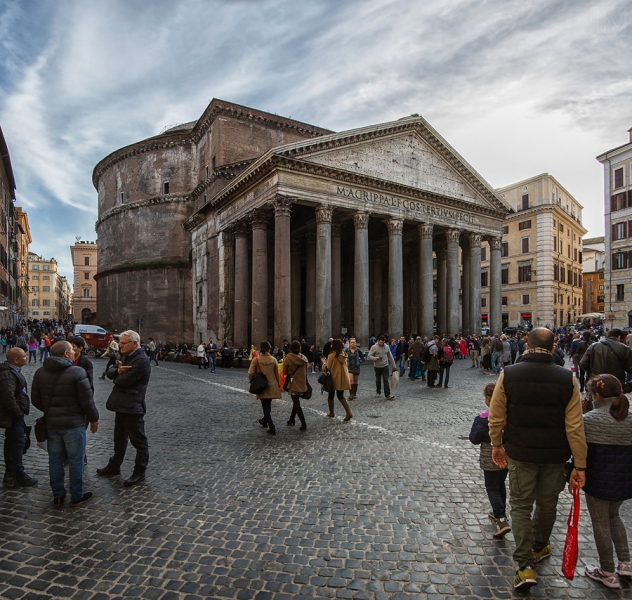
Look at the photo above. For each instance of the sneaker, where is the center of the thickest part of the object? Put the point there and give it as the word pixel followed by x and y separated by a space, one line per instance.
pixel 525 578
pixel 378 395
pixel 542 554
pixel 25 481
pixel 598 574
pixel 390 397
pixel 502 527
pixel 83 499
pixel 624 569
pixel 8 481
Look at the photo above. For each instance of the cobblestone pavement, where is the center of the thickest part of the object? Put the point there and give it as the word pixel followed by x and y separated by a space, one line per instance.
pixel 389 506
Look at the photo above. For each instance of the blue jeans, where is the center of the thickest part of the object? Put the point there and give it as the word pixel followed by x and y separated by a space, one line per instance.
pixel 401 361
pixel 70 443
pixel 213 360
pixel 14 447
pixel 412 371
pixel 497 361
pixel 496 491
pixel 382 374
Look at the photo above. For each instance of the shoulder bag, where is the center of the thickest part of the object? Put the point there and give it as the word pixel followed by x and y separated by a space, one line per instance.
pixel 259 384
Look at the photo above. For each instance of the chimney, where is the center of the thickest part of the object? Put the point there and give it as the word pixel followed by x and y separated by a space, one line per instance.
pixel 630 133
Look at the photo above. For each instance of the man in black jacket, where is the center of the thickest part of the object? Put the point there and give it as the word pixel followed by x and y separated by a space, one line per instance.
pixel 14 404
pixel 610 356
pixel 62 392
pixel 127 400
pixel 535 424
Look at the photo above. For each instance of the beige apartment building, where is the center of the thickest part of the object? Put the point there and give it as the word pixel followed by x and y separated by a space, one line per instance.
pixel 84 260
pixel 48 292
pixel 617 171
pixel 541 256
pixel 594 288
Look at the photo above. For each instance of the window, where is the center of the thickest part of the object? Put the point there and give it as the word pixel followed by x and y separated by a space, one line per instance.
pixel 35 267
pixel 570 276
pixel 556 272
pixel 434 286
pixel 484 275
pixel 554 223
pixel 524 273
pixel 561 228
pixel 34 289
pixel 618 178
pixel 86 293
pixel 165 188
pixel 86 260
pixel 505 229
pixel 575 254
pixel 526 298
pixel 524 225
pixel 569 250
pixel 601 298
pixel 525 201
pixel 207 172
pixel 36 312
pixel 620 260
pixel 46 277
pixel 554 243
pixel 200 297
pixel 504 249
pixel 46 288
pixel 561 299
pixel 620 292
pixel 575 278
pixel 86 275
pixel 35 277
pixel 602 276
pixel 601 288
pixel 213 162
pixel 562 274
pixel 34 302
pixel 525 245
pixel 504 276
pixel 503 300
pixel 483 302
pixel 561 247
pixel 45 302
pixel 46 312
pixel 122 197
pixel 619 230
pixel 483 253
pixel 46 267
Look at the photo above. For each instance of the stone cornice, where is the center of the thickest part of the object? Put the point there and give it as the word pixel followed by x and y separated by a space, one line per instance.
pixel 143 266
pixel 142 203
pixel 224 172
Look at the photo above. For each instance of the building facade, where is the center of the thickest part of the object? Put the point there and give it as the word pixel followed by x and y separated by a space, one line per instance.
pixel 290 229
pixel 84 260
pixel 48 291
pixel 541 255
pixel 23 240
pixel 594 289
pixel 617 169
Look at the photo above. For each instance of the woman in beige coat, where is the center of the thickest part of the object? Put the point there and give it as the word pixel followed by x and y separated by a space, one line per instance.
pixel 295 366
pixel 337 366
pixel 268 365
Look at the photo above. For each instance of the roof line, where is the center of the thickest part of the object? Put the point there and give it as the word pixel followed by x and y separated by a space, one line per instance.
pixel 6 161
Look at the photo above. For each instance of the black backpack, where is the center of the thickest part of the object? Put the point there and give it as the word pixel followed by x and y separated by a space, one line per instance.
pixel 426 356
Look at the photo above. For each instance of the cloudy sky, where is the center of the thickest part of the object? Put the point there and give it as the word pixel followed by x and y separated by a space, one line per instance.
pixel 517 87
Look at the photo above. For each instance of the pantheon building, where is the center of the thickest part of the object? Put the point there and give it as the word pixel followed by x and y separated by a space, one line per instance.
pixel 246 226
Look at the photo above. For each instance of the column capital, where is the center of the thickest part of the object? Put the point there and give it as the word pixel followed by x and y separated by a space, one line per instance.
pixel 395 226
pixel 453 235
pixel 310 238
pixel 425 230
pixel 475 239
pixel 241 229
pixel 323 213
pixel 282 205
pixel 361 220
pixel 258 220
pixel 228 237
pixel 495 243
pixel 336 229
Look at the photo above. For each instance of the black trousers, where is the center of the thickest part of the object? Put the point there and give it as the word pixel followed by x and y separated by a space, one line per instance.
pixel 297 409
pixel 132 427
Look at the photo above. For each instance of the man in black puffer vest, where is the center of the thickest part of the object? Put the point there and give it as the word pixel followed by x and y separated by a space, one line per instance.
pixel 62 392
pixel 537 405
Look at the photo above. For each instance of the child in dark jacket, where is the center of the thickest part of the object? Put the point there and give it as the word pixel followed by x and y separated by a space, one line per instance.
pixel 494 476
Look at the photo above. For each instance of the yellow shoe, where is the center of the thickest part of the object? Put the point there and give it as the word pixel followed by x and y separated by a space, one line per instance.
pixel 525 578
pixel 546 551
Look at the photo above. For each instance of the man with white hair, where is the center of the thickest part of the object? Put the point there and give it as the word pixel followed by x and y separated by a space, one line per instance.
pixel 127 400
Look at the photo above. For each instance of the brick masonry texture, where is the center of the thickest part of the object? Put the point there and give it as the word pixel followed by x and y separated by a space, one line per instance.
pixel 389 506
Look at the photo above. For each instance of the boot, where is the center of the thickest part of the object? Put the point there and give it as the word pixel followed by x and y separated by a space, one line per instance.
pixel 345 405
pixel 330 402
pixel 354 390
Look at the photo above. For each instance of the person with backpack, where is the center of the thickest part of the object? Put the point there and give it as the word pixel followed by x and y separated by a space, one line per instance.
pixel 446 358
pixel 431 360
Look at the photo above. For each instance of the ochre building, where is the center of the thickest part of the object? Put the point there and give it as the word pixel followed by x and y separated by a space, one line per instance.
pixel 84 262
pixel 290 229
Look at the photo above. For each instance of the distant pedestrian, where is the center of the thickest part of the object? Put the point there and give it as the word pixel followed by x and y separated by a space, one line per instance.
pixel 211 350
pixel 295 367
pixel 414 354
pixel 32 344
pixel 268 365
pixel 112 352
pixel 355 357
pixel 497 354
pixel 336 363
pixel 14 405
pixel 61 390
pixel 201 355
pixel 382 358
pixel 431 360
pixel 493 475
pixel 151 350
pixel 446 358
pixel 127 400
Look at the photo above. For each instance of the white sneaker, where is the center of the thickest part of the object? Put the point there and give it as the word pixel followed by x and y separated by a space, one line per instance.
pixel 624 569
pixel 598 574
pixel 378 395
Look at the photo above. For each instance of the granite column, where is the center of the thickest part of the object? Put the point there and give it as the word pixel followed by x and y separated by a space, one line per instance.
pixel 361 279
pixel 336 282
pixel 466 321
pixel 442 322
pixel 282 271
pixel 495 268
pixel 475 283
pixel 242 292
pixel 395 278
pixel 426 293
pixel 323 274
pixel 310 288
pixel 259 326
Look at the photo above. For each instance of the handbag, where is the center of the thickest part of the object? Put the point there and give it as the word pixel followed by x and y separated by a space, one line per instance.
pixel 571 546
pixel 326 381
pixel 259 383
pixel 394 378
pixel 307 394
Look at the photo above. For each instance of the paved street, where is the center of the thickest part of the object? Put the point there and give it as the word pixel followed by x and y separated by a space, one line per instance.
pixel 389 506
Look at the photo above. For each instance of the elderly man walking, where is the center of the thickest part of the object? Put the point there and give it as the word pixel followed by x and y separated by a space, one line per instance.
pixel 537 405
pixel 63 393
pixel 14 404
pixel 127 400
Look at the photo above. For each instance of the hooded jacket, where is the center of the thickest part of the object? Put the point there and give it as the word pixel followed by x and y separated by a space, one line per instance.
pixel 62 391
pixel 14 402
pixel 608 356
pixel 296 366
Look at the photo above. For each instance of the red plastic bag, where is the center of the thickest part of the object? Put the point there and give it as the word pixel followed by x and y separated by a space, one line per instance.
pixel 571 547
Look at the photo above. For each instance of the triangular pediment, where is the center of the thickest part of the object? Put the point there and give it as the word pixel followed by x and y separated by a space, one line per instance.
pixel 408 153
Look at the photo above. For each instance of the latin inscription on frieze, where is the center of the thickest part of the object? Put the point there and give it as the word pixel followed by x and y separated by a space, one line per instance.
pixel 414 206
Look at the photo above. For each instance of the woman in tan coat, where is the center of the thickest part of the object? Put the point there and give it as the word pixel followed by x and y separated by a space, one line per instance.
pixel 268 365
pixel 295 366
pixel 337 366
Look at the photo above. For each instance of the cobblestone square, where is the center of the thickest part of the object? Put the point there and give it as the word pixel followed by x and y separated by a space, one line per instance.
pixel 389 506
